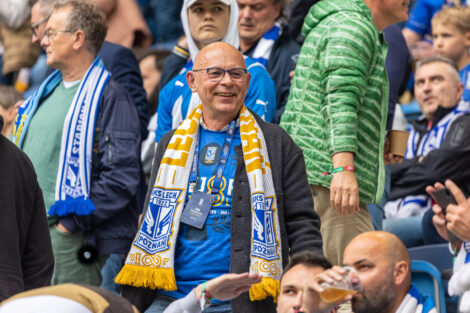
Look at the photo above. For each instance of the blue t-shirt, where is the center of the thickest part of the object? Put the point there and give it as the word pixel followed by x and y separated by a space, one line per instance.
pixel 465 79
pixel 422 13
pixel 205 254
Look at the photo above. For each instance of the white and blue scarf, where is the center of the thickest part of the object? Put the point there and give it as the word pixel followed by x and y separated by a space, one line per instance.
pixel 265 44
pixel 459 284
pixel 415 302
pixel 418 204
pixel 73 178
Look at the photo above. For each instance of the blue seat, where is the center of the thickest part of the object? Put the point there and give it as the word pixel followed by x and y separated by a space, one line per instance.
pixel 427 278
pixel 438 255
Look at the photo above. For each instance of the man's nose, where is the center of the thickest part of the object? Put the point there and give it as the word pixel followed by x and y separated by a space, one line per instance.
pixel 245 13
pixel 226 79
pixel 298 301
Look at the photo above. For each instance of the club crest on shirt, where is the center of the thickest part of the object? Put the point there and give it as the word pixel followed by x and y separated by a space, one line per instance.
pixel 154 235
pixel 210 154
pixel 264 239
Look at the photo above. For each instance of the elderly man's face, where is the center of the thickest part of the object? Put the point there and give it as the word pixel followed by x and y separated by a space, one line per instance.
pixel 222 97
pixel 376 274
pixel 436 86
pixel 38 23
pixel 255 18
pixel 208 21
pixel 292 287
pixel 58 40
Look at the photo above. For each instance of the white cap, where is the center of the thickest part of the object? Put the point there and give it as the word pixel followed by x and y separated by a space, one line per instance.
pixel 191 2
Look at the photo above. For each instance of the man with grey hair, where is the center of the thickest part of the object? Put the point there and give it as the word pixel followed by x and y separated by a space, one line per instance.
pixel 437 147
pixel 119 60
pixel 81 131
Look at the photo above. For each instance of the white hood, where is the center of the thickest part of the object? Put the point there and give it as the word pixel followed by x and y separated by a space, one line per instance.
pixel 231 36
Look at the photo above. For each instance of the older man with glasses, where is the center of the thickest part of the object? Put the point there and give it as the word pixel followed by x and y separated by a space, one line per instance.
pixel 229 194
pixel 81 131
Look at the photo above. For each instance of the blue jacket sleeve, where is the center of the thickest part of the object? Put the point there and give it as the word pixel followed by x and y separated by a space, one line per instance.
pixel 116 160
pixel 420 17
pixel 164 111
pixel 261 95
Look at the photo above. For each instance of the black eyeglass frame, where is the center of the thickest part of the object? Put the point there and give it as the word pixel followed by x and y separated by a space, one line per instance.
pixel 229 71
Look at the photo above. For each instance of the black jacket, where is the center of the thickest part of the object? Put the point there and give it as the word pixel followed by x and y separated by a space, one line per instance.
pixel 450 161
pixel 25 249
pixel 299 224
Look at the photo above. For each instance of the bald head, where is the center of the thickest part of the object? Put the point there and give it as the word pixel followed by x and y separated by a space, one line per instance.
pixel 383 264
pixel 205 56
pixel 221 80
pixel 384 243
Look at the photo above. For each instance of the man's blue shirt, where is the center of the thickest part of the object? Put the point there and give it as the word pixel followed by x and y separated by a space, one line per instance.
pixel 205 254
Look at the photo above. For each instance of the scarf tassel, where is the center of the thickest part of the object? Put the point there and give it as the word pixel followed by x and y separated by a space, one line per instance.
pixel 140 276
pixel 267 287
pixel 82 206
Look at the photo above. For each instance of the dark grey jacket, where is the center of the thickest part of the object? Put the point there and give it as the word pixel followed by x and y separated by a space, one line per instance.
pixel 299 224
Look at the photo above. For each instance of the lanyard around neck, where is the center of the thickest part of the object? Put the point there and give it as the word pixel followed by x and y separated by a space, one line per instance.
pixel 219 171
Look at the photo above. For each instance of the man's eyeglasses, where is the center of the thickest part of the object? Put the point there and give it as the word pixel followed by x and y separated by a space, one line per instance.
pixel 34 26
pixel 216 74
pixel 49 33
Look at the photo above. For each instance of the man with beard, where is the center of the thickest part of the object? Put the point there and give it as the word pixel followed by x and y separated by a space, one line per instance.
pixel 384 267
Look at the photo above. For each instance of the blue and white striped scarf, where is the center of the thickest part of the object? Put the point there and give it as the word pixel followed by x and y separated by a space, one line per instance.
pixel 418 204
pixel 415 302
pixel 73 178
pixel 265 44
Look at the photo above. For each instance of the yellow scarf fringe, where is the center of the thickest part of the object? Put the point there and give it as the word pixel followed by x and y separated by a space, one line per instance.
pixel 267 287
pixel 139 276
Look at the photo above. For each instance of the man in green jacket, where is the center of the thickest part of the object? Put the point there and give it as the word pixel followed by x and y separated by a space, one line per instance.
pixel 337 112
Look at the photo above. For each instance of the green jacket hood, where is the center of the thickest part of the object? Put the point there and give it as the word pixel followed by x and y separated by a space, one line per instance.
pixel 325 8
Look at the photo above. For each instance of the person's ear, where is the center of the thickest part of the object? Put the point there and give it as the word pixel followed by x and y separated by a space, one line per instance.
pixel 467 40
pixel 401 272
pixel 191 81
pixel 79 39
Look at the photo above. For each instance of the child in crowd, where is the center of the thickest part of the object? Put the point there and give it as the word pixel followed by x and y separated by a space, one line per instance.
pixel 451 39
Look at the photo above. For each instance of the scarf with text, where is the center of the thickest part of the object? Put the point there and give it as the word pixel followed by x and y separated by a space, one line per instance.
pixel 150 262
pixel 73 178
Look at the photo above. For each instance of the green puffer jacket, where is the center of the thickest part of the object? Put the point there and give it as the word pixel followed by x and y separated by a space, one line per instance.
pixel 338 99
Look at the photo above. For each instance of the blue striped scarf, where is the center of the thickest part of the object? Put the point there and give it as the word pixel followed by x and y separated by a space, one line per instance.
pixel 265 44
pixel 73 177
pixel 415 302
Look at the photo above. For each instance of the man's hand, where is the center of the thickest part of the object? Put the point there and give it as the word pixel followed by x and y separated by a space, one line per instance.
pixel 439 220
pixel 344 191
pixel 229 286
pixel 457 218
pixel 62 228
pixel 311 302
pixel 458 215
pixel 390 158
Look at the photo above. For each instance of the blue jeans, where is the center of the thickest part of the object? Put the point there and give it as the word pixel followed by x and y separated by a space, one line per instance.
pixel 161 302
pixel 109 271
pixel 408 229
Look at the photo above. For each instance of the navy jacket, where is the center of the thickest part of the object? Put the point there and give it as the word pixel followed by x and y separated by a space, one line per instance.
pixel 115 174
pixel 124 68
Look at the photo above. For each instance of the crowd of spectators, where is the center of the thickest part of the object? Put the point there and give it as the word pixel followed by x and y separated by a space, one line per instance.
pixel 286 107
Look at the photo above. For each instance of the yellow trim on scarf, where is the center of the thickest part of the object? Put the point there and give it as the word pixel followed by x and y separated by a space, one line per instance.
pixel 267 287
pixel 140 276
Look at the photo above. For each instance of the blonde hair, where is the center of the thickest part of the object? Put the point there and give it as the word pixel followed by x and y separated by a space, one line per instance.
pixel 458 16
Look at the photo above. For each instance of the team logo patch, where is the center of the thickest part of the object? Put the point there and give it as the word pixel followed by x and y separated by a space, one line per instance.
pixel 264 241
pixel 154 235
pixel 210 154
